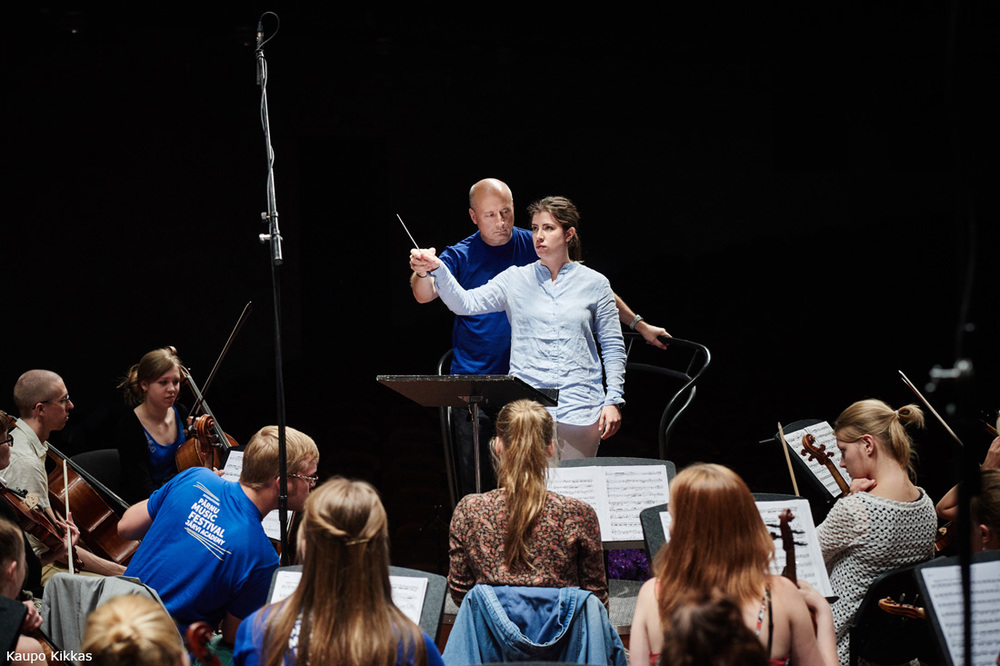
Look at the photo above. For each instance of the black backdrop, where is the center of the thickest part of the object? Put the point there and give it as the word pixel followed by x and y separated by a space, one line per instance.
pixel 802 190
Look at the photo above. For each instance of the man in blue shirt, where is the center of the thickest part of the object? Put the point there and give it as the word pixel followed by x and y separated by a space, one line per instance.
pixel 481 343
pixel 203 547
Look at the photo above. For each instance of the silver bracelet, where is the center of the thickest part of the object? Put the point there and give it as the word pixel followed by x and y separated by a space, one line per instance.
pixel 635 321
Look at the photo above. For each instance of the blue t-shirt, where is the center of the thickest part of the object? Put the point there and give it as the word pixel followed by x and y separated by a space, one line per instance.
pixel 162 464
pixel 250 637
pixel 481 343
pixel 206 553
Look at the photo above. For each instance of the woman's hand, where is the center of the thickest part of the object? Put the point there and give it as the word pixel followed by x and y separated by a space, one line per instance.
pixel 32 620
pixel 861 485
pixel 424 261
pixel 74 531
pixel 610 421
pixel 992 460
pixel 816 602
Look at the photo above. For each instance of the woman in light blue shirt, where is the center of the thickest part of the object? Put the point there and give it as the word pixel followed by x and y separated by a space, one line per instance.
pixel 559 311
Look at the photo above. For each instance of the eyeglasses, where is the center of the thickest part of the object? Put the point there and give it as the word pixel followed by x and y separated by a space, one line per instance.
pixel 311 480
pixel 9 440
pixel 62 400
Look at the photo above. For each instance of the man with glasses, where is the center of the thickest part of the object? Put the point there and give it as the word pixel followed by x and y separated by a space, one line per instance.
pixel 44 405
pixel 203 547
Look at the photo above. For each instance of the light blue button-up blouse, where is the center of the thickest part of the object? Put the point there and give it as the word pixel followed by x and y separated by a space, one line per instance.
pixel 555 330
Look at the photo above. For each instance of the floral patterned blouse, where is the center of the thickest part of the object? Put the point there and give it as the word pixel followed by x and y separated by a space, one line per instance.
pixel 565 544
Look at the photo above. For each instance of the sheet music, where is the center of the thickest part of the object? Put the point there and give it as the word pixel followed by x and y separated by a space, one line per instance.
pixel 408 592
pixel 944 587
pixel 617 493
pixel 823 433
pixel 285 583
pixel 665 520
pixel 809 564
pixel 271 522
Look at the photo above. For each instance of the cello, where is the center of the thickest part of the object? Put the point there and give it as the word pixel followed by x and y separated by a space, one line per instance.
pixel 92 514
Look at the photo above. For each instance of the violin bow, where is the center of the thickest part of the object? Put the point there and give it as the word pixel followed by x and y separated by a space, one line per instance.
pixel 69 517
pixel 247 309
pixel 788 459
pixel 906 380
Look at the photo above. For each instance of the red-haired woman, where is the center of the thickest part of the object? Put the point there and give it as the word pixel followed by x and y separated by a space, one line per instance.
pixel 719 544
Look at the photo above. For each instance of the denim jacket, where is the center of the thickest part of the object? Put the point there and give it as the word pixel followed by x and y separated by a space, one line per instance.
pixel 496 624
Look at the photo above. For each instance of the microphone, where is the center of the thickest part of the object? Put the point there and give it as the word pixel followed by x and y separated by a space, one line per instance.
pixel 260 40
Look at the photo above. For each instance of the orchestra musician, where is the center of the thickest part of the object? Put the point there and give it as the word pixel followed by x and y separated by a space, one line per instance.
pixel 886 521
pixel 984 507
pixel 33 575
pixel 341 612
pixel 203 547
pixel 135 630
pixel 559 312
pixel 481 343
pixel 718 543
pixel 521 533
pixel 44 406
pixel 16 618
pixel 708 630
pixel 148 435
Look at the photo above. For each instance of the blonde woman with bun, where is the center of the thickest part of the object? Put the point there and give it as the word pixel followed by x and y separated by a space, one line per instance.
pixel 885 521
pixel 131 630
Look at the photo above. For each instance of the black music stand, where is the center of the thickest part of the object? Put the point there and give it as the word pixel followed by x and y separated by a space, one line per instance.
pixel 462 390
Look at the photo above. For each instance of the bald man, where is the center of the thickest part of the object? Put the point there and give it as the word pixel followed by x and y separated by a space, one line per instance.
pixel 44 405
pixel 481 343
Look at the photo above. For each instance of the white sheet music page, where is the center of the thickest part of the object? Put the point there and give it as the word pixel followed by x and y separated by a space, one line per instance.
pixel 587 485
pixel 823 432
pixel 408 594
pixel 944 586
pixel 231 472
pixel 809 565
pixel 632 488
pixel 617 493
pixel 285 583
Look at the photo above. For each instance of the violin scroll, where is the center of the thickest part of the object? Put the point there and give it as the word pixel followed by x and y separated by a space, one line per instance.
pixel 196 638
pixel 905 610
pixel 819 454
pixel 785 519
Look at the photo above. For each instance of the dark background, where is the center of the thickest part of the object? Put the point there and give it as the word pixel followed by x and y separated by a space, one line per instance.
pixel 806 191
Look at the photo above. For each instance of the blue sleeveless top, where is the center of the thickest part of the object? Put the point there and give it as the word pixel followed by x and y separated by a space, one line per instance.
pixel 161 457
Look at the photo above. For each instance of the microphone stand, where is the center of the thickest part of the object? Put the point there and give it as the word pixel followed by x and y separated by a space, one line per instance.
pixel 273 236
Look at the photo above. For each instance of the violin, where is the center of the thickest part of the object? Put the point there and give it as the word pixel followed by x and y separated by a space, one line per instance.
pixel 788 544
pixel 207 445
pixel 819 454
pixel 196 638
pixel 32 518
pixel 905 610
pixel 945 535
pixel 785 519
